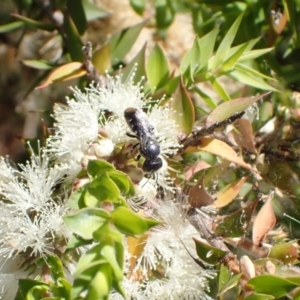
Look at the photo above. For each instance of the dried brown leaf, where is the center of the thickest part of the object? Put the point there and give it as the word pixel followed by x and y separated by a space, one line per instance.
pixel 264 222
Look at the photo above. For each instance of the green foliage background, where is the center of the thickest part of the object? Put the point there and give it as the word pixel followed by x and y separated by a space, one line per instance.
pixel 237 40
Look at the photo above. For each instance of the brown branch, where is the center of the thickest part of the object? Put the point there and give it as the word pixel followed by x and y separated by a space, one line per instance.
pixel 92 73
pixel 194 138
pixel 203 224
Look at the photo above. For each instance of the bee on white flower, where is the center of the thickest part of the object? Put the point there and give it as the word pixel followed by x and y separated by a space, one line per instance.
pixel 92 126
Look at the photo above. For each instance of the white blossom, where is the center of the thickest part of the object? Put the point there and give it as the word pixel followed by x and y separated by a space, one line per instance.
pixel 30 218
pixel 164 253
pixel 118 94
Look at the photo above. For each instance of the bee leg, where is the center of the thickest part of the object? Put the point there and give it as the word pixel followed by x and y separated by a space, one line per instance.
pixel 131 135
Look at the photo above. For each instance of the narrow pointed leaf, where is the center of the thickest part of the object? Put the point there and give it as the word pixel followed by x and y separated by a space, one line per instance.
pixel 249 55
pixel 221 149
pixel 74 43
pixel 226 43
pixel 227 109
pixel 34 24
pixel 64 73
pixel 138 64
pixel 76 11
pixel 264 222
pixel 38 64
pixel 231 61
pixel 206 44
pixel 11 26
pixel 258 296
pixel 228 193
pixel 272 285
pixel 249 79
pixel 208 100
pixel 251 71
pixel 191 61
pixel 185 113
pixel 121 42
pixel 93 12
pixel 157 68
pixel 101 59
pixel 219 89
pixel 108 252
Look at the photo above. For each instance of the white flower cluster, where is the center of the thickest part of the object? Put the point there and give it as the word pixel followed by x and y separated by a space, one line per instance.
pixel 164 254
pixel 31 217
pixel 91 126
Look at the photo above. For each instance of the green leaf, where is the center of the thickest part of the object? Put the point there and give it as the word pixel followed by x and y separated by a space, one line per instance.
pixel 121 42
pixel 34 24
pixel 100 285
pixel 231 283
pixel 208 100
pixel 249 79
pixel 11 26
pixel 74 43
pixel 229 108
pixel 251 71
pixel 218 88
pixel 93 12
pixel 76 241
pixel 131 223
pixel 56 266
pixel 38 64
pixel 286 252
pixel 190 61
pixel 256 296
pixel 89 259
pixel 250 55
pixel 157 69
pixel 231 61
pixel 138 65
pixel 98 167
pixel 75 9
pixel 64 288
pixel 164 13
pixel 209 254
pixel 103 189
pixel 86 221
pixel 185 112
pixel 123 182
pixel 207 44
pixel 108 252
pixel 171 85
pixel 226 43
pixel 223 276
pixel 101 59
pixel 138 6
pixel 272 285
pixel 31 289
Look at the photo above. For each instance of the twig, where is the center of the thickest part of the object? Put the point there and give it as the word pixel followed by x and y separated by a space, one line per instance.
pixel 194 138
pixel 92 73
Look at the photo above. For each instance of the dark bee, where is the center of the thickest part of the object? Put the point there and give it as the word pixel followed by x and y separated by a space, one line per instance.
pixel 142 130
